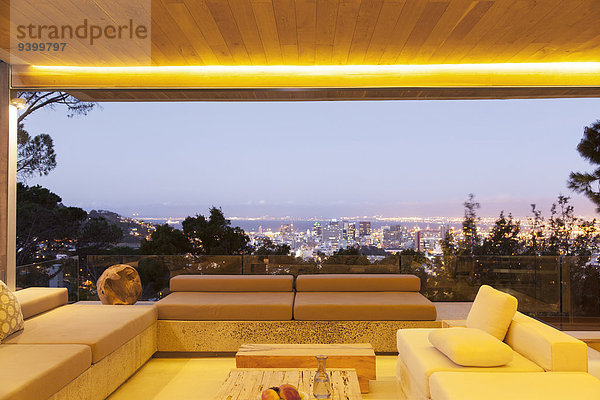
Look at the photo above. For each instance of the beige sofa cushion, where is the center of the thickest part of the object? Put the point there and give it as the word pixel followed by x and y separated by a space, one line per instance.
pixel 363 306
pixel 232 283
pixel 518 386
pixel 550 348
pixel 37 300
pixel 423 360
pixel 492 311
pixel 104 328
pixel 358 283
pixel 234 306
pixel 471 347
pixel 34 372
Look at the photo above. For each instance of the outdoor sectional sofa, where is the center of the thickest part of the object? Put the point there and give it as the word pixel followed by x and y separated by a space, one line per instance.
pixel 87 350
pixel 218 313
pixel 546 363
pixel 325 297
pixel 73 351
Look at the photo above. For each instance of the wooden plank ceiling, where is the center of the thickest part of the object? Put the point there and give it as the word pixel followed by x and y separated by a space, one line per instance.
pixel 355 32
pixel 338 32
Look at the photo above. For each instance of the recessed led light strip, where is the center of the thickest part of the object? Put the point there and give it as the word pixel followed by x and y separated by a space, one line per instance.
pixel 273 76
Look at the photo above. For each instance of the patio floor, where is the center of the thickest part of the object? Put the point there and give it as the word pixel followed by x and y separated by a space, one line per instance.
pixel 200 378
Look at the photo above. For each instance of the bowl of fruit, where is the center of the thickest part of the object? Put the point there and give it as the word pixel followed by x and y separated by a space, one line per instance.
pixel 283 392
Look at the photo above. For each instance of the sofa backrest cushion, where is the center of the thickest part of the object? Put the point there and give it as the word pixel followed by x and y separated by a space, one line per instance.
pixel 492 311
pixel 232 283
pixel 358 283
pixel 37 300
pixel 550 348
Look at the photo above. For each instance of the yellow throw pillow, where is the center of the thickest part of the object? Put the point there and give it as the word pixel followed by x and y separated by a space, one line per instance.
pixel 471 347
pixel 492 311
pixel 11 317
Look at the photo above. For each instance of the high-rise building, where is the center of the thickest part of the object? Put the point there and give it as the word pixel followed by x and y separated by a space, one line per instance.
pixel 287 229
pixel 317 229
pixel 352 231
pixel 443 231
pixel 394 236
pixel 364 228
pixel 345 229
pixel 332 233
pixel 348 230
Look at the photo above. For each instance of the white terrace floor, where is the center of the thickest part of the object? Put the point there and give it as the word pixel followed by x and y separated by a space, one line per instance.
pixel 200 378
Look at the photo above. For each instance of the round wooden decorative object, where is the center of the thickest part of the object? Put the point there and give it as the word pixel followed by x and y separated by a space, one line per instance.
pixel 119 284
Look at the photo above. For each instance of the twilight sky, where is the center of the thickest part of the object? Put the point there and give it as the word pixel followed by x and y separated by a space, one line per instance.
pixel 325 159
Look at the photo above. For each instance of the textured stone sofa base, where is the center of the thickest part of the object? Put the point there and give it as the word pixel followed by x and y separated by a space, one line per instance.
pixel 227 336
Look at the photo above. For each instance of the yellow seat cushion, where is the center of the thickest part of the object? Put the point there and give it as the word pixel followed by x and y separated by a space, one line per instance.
pixel 492 311
pixel 226 306
pixel 37 371
pixel 104 328
pixel 471 347
pixel 423 360
pixel 363 306
pixel 516 386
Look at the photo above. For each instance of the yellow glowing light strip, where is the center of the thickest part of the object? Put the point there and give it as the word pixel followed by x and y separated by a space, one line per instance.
pixel 584 67
pixel 272 76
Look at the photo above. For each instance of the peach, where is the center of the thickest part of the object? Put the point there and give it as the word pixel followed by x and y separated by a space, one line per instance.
pixel 288 392
pixel 270 394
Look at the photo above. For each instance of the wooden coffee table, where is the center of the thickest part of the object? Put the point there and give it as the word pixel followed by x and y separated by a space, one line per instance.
pixel 248 383
pixel 360 357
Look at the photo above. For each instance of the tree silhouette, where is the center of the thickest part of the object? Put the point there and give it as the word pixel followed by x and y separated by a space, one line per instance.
pixel 98 234
pixel 588 183
pixel 535 240
pixel 503 239
pixel 215 235
pixel 166 240
pixel 43 223
pixel 471 239
pixel 35 155
pixel 267 247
